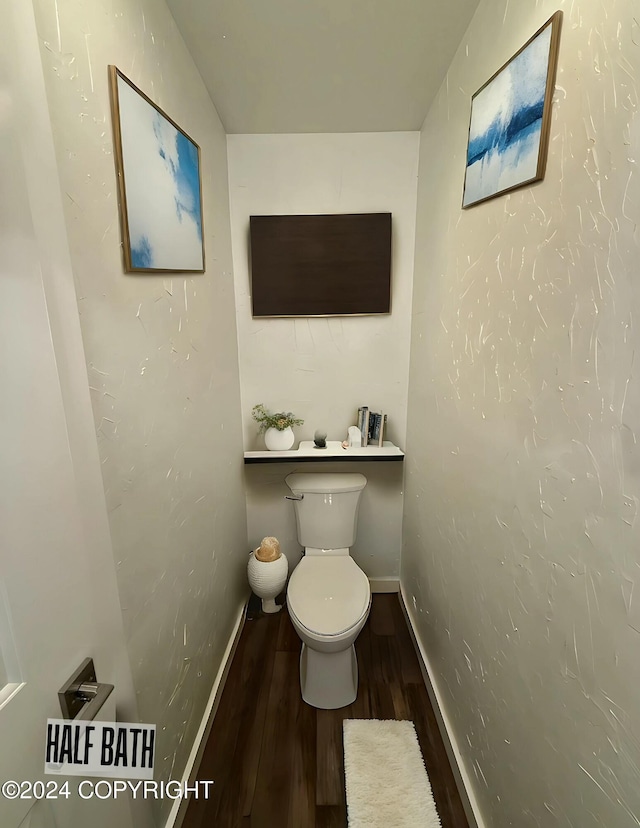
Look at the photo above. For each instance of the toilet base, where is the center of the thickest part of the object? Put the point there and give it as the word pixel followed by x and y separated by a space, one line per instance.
pixel 328 680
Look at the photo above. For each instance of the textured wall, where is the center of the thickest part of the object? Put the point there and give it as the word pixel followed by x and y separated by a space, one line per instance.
pixel 58 591
pixel 323 369
pixel 522 464
pixel 162 364
pixel 520 560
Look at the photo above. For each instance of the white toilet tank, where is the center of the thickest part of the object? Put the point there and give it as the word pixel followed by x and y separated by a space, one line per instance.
pixel 327 515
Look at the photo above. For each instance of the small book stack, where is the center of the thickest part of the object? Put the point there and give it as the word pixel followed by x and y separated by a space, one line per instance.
pixel 372 425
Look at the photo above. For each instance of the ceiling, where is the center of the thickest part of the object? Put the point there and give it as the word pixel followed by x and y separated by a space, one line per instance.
pixel 280 66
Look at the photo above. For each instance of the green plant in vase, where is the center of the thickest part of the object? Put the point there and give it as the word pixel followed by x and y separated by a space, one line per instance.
pixel 277 428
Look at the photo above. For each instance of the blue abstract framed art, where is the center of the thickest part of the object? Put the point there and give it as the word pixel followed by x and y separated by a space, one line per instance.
pixel 159 181
pixel 511 118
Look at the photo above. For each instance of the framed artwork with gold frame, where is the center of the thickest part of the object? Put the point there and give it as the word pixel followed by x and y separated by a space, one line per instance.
pixel 510 120
pixel 159 184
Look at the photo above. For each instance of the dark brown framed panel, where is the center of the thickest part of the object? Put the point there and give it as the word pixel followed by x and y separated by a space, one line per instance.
pixel 325 265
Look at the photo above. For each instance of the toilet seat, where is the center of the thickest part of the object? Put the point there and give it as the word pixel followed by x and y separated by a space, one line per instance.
pixel 328 595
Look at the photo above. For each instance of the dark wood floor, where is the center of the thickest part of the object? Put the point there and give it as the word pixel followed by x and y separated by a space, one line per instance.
pixel 278 763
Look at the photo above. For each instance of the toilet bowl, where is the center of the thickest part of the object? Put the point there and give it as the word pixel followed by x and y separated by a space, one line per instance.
pixel 329 596
pixel 329 601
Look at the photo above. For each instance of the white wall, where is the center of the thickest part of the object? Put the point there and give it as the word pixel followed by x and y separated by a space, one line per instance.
pixel 162 365
pixel 323 369
pixel 521 536
pixel 58 591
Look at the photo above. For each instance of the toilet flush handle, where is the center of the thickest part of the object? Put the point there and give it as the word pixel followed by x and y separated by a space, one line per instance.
pixel 294 497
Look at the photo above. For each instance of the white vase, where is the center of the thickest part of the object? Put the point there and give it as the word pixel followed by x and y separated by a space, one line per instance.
pixel 267 579
pixel 276 440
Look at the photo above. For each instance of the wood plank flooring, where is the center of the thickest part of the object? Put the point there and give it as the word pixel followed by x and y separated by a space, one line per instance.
pixel 278 763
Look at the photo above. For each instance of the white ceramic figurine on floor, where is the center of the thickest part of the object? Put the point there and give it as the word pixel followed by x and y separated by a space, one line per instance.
pixel 267 571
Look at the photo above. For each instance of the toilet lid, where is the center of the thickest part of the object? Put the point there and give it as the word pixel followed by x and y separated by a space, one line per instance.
pixel 328 595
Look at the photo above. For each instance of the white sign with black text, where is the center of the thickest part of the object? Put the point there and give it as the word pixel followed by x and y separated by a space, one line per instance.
pixel 120 750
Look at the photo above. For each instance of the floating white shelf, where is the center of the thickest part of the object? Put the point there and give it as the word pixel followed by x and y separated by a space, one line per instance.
pixel 307 452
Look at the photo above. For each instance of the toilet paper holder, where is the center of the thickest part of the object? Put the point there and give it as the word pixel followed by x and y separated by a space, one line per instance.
pixel 82 696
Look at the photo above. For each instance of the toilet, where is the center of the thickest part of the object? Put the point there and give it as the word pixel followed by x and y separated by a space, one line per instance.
pixel 329 596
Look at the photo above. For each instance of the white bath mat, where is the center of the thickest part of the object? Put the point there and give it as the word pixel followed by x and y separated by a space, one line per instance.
pixel 387 784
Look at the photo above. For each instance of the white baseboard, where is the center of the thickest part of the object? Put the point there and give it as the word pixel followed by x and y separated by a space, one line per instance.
pixel 384 584
pixel 179 809
pixel 463 782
